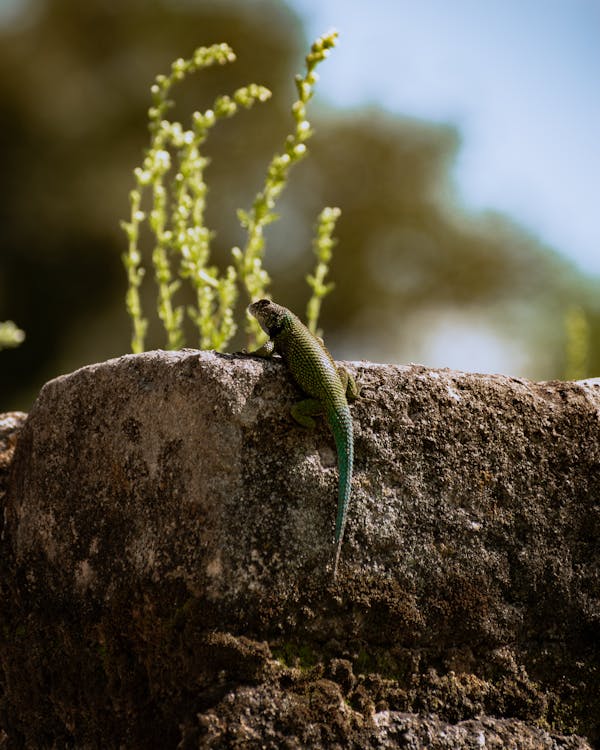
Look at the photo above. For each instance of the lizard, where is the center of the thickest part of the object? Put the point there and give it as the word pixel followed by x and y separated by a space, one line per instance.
pixel 329 388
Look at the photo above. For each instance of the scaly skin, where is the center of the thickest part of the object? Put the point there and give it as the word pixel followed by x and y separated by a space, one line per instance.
pixel 328 386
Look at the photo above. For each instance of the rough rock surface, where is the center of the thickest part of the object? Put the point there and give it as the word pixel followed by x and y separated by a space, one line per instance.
pixel 10 425
pixel 166 548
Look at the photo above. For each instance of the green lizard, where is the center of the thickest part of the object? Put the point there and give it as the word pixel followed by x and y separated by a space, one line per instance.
pixel 328 386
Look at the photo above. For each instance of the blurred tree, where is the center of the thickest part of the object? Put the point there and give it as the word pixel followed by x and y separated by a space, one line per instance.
pixel 409 254
pixel 74 90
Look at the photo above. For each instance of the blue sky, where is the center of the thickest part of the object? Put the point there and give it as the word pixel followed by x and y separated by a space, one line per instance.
pixel 519 78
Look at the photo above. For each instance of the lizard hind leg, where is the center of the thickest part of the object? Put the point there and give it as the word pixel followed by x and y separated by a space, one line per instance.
pixel 349 384
pixel 304 411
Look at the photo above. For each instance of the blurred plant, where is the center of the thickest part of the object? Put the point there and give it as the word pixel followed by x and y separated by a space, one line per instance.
pixel 10 335
pixel 249 260
pixel 175 215
pixel 578 344
pixel 323 248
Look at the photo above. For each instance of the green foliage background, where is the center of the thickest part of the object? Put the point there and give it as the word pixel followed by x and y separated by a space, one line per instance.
pixel 74 83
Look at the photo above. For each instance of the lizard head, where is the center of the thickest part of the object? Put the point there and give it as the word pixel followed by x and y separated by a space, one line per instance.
pixel 271 317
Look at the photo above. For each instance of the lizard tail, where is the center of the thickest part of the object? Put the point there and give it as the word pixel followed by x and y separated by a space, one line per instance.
pixel 341 424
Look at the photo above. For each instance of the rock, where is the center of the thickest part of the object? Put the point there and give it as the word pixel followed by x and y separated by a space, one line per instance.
pixel 166 555
pixel 264 716
pixel 10 424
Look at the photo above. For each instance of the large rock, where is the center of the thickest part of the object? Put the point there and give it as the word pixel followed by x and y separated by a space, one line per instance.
pixel 166 557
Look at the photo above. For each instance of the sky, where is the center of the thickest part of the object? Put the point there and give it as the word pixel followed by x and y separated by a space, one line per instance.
pixel 520 79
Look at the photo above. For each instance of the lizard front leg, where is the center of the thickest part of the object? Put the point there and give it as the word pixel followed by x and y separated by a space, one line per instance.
pixel 266 350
